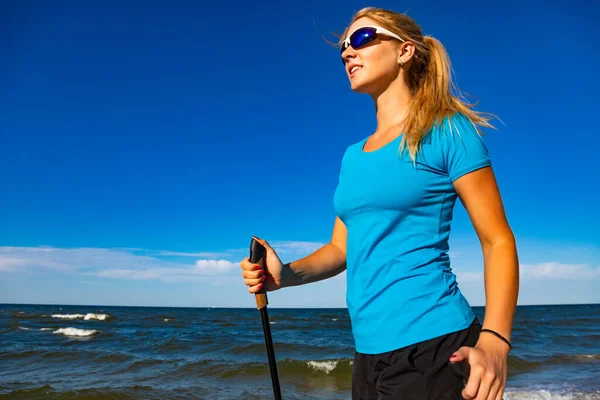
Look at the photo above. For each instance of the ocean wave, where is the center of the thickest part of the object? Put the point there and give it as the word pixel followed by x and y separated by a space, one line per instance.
pixel 87 317
pixel 577 357
pixel 23 315
pixel 293 348
pixel 173 344
pixel 30 392
pixel 42 392
pixel 68 316
pixel 112 358
pixel 149 392
pixel 25 328
pixel 159 317
pixel 77 332
pixel 21 354
pixel 340 368
pixel 60 355
pixel 517 365
pixel 547 395
pixel 141 365
pixel 326 366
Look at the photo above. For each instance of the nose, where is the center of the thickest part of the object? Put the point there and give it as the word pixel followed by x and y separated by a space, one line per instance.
pixel 348 54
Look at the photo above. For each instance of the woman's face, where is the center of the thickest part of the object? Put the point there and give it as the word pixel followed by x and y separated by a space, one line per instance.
pixel 373 67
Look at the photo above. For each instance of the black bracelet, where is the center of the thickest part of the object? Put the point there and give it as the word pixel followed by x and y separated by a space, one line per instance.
pixel 499 336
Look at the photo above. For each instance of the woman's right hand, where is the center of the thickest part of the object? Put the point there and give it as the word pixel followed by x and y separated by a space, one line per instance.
pixel 255 277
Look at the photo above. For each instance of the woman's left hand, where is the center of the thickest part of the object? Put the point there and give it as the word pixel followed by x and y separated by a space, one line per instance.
pixel 487 362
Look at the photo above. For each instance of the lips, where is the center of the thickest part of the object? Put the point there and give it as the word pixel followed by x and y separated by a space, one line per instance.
pixel 352 68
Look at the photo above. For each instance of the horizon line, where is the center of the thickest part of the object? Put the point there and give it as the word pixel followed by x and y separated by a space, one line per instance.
pixel 270 307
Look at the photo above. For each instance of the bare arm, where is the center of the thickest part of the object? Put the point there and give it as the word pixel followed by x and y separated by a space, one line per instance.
pixel 479 193
pixel 326 262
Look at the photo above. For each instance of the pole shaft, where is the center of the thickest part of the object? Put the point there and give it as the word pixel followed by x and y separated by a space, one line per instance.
pixel 270 352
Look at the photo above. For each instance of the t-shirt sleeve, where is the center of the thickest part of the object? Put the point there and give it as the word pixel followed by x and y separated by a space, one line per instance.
pixel 463 148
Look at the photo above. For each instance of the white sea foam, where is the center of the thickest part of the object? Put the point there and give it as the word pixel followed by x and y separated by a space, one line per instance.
pixel 167 319
pixel 87 317
pixel 25 329
pixel 547 395
pixel 99 317
pixel 586 357
pixel 76 332
pixel 325 366
pixel 46 329
pixel 68 316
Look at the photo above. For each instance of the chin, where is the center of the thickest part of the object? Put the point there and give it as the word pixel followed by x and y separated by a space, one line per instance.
pixel 371 84
pixel 360 86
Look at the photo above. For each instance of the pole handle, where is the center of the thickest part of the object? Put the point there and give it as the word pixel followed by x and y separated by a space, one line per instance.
pixel 257 256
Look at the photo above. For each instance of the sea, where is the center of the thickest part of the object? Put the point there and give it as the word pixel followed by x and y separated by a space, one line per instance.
pixel 101 352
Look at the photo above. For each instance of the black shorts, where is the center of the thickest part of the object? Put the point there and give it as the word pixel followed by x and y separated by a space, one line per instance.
pixel 419 371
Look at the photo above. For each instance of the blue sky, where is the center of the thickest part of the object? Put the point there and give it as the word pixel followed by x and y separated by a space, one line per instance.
pixel 142 146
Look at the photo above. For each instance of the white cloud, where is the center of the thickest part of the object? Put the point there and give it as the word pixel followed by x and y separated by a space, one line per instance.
pixel 168 253
pixel 288 247
pixel 130 263
pixel 127 274
pixel 10 264
pixel 542 271
pixel 541 283
pixel 295 247
pixel 106 263
pixel 211 266
pixel 469 276
pixel 182 272
pixel 66 260
pixel 557 270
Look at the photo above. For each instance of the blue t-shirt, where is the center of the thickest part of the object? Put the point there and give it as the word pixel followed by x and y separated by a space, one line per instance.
pixel 400 287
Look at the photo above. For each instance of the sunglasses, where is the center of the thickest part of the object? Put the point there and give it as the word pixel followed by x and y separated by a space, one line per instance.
pixel 365 35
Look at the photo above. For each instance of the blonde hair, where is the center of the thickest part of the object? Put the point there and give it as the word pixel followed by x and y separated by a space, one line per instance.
pixel 434 94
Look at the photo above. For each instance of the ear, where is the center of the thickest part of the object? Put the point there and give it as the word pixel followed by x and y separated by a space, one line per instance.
pixel 406 51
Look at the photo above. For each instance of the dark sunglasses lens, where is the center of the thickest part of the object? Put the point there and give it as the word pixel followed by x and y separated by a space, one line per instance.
pixel 362 36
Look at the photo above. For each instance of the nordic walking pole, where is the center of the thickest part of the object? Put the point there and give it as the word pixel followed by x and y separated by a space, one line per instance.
pixel 257 256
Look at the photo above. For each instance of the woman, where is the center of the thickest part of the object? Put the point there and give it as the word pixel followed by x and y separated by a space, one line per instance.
pixel 394 203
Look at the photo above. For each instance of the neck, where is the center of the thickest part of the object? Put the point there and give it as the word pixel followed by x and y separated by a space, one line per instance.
pixel 391 107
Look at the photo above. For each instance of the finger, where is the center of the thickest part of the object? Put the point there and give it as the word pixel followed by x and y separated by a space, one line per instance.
pixel 471 390
pixel 494 390
pixel 256 288
pixel 485 386
pixel 500 391
pixel 258 274
pixel 253 282
pixel 263 242
pixel 248 266
pixel 460 354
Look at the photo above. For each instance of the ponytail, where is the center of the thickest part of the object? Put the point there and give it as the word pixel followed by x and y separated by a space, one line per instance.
pixel 434 96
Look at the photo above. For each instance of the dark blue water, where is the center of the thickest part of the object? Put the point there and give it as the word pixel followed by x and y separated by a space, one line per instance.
pixel 87 352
